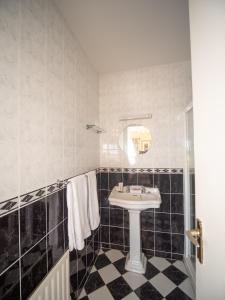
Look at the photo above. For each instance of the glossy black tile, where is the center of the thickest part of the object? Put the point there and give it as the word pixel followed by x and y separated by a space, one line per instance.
pixel 145 179
pixel 147 220
pixel 55 245
pixel 120 265
pixel 174 274
pixel 9 246
pixel 104 181
pixel 90 254
pixel 93 283
pixel 163 254
pixel 33 268
pixel 177 223
pixel 177 183
pixel 162 181
pixel 165 205
pixel 104 202
pixel 147 238
pixel 151 271
pixel 126 237
pixel 126 218
pixel 116 217
pixel 105 216
pixel 32 224
pixel 129 178
pixel 102 261
pixel 163 242
pixel 105 234
pixel 65 233
pixel 65 209
pixel 148 291
pixel 114 179
pixel 178 243
pixel 10 283
pixel 54 209
pixel 177 203
pixel 162 222
pixel 98 178
pixel 177 294
pixel 116 235
pixel 119 288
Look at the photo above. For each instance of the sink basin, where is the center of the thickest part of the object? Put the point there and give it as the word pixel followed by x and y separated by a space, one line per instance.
pixel 150 198
pixel 144 198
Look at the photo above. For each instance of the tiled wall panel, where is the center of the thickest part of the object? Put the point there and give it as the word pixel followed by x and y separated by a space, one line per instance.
pixel 162 229
pixel 48 93
pixel 163 91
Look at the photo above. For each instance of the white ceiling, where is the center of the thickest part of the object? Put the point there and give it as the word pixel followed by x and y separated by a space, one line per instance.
pixel 125 34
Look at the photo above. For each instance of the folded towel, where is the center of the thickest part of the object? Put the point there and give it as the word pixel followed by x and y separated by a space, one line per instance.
pixel 77 203
pixel 93 206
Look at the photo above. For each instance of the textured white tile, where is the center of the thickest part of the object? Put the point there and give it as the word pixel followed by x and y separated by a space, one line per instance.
pixel 163 284
pixel 114 255
pixel 160 263
pixel 186 287
pixel 82 294
pixel 134 279
pixel 101 294
pixel 109 273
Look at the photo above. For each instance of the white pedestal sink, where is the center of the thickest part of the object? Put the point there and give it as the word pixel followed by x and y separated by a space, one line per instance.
pixel 135 203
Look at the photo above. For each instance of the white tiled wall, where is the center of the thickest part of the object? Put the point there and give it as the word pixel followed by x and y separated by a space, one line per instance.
pixel 48 93
pixel 163 91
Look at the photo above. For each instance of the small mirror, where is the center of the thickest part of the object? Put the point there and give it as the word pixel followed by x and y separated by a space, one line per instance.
pixel 135 139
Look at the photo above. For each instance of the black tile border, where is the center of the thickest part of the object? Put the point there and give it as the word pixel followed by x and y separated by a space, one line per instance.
pixel 141 170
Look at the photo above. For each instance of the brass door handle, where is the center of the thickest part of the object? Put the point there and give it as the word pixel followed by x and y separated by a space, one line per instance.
pixel 193 236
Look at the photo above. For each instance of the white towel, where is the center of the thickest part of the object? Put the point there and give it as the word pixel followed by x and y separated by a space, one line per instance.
pixel 93 207
pixel 77 203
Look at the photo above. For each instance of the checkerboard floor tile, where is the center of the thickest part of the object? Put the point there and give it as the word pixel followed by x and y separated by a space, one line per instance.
pixel 164 279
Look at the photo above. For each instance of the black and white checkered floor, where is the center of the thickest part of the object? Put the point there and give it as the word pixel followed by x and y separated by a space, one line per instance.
pixel 164 279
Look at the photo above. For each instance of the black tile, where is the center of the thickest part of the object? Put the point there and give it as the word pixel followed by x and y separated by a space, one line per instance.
pixel 126 218
pixel 105 234
pixel 165 205
pixel 105 216
pixel 98 178
pixel 177 256
pixel 84 298
pixel 32 224
pixel 65 232
pixel 65 209
pixel 162 222
pixel 90 254
pixel 116 235
pixel 192 183
pixel 147 220
pixel 104 202
pixel 177 183
pixel 177 223
pixel 55 243
pixel 162 181
pixel 117 247
pixel 151 271
pixel 102 261
pixel 33 268
pixel 178 243
pixel 145 179
pixel 116 217
pixel 177 203
pixel 163 254
pixel 174 274
pixel 10 283
pixel 93 283
pixel 114 179
pixel 129 178
pixel 120 265
pixel 9 246
pixel 163 242
pixel 119 288
pixel 54 210
pixel 147 238
pixel 149 253
pixel 126 237
pixel 104 181
pixel 177 294
pixel 147 291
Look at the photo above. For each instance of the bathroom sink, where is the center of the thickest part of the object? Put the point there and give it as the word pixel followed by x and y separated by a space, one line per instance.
pixel 149 198
pixel 135 199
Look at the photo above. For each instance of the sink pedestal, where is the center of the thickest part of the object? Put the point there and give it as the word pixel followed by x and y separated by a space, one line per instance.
pixel 136 260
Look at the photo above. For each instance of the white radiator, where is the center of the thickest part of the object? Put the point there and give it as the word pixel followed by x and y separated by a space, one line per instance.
pixel 56 285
